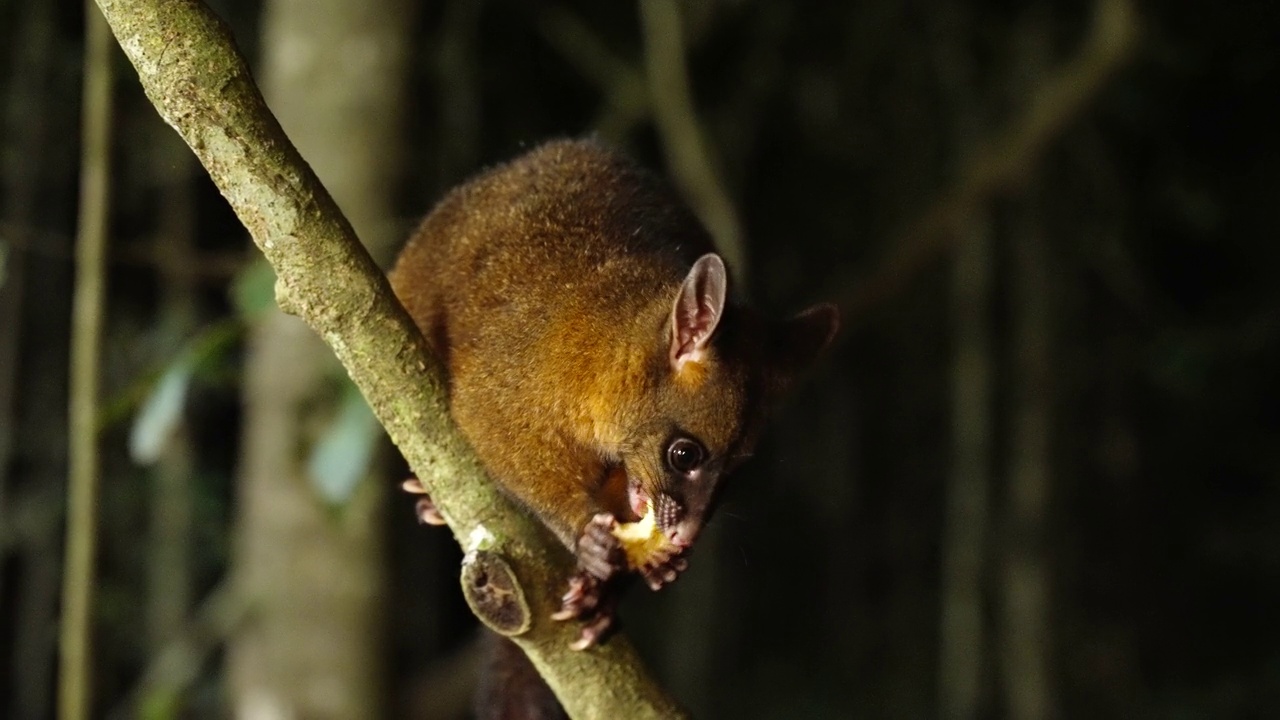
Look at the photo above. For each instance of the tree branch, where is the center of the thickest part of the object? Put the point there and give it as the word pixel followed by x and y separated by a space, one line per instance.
pixel 75 686
pixel 661 91
pixel 1004 161
pixel 192 72
pixel 625 88
pixel 683 142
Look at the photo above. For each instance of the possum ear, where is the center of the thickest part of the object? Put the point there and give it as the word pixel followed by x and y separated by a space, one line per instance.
pixel 698 308
pixel 802 338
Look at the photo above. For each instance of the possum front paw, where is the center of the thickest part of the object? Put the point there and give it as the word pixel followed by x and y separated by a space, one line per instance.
pixel 650 552
pixel 594 602
pixel 663 568
pixel 600 551
pixel 592 596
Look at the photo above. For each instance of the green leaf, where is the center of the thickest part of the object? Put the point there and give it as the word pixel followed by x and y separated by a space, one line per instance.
pixel 343 454
pixel 205 350
pixel 160 412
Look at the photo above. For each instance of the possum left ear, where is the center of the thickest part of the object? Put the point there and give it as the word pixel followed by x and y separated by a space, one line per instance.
pixel 697 310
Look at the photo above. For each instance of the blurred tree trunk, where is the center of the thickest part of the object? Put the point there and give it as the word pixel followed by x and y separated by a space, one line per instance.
pixel 24 133
pixel 1025 576
pixel 962 637
pixel 17 206
pixel 32 406
pixel 914 508
pixel 333 73
pixel 962 640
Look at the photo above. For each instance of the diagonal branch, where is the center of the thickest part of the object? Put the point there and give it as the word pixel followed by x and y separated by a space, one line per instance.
pixel 659 89
pixel 688 157
pixel 1005 161
pixel 193 74
pixel 626 90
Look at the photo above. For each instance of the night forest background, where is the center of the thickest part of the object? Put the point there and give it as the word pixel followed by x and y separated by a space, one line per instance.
pixel 1037 477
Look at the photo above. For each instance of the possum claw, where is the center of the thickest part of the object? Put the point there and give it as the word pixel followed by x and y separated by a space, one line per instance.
pixel 599 551
pixel 582 597
pixel 593 631
pixel 592 596
pixel 664 569
pixel 594 602
pixel 424 508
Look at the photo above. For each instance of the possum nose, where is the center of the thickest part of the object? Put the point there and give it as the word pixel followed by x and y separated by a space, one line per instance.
pixel 683 534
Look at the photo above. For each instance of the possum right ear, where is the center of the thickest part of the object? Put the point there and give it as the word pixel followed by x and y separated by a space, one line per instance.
pixel 802 338
pixel 697 311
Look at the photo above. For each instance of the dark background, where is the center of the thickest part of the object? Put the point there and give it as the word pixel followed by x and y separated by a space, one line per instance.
pixel 1051 412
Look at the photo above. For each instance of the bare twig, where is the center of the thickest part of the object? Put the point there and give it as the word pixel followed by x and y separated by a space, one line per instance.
pixel 1025 652
pixel 1003 162
pixel 75 686
pixel 661 91
pixel 688 158
pixel 624 87
pixel 190 70
pixel 962 627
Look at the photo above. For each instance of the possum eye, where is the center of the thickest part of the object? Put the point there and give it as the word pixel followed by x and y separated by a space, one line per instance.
pixel 684 455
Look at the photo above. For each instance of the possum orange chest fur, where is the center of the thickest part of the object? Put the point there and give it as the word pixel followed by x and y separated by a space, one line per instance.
pixel 594 359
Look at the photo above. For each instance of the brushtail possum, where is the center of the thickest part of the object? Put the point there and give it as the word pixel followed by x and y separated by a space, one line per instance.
pixel 596 361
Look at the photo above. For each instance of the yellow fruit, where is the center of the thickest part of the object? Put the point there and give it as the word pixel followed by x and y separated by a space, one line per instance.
pixel 642 542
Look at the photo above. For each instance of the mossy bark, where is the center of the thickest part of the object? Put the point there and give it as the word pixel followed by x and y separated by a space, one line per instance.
pixel 193 74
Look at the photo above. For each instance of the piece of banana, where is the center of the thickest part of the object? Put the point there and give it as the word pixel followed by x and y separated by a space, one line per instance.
pixel 642 542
